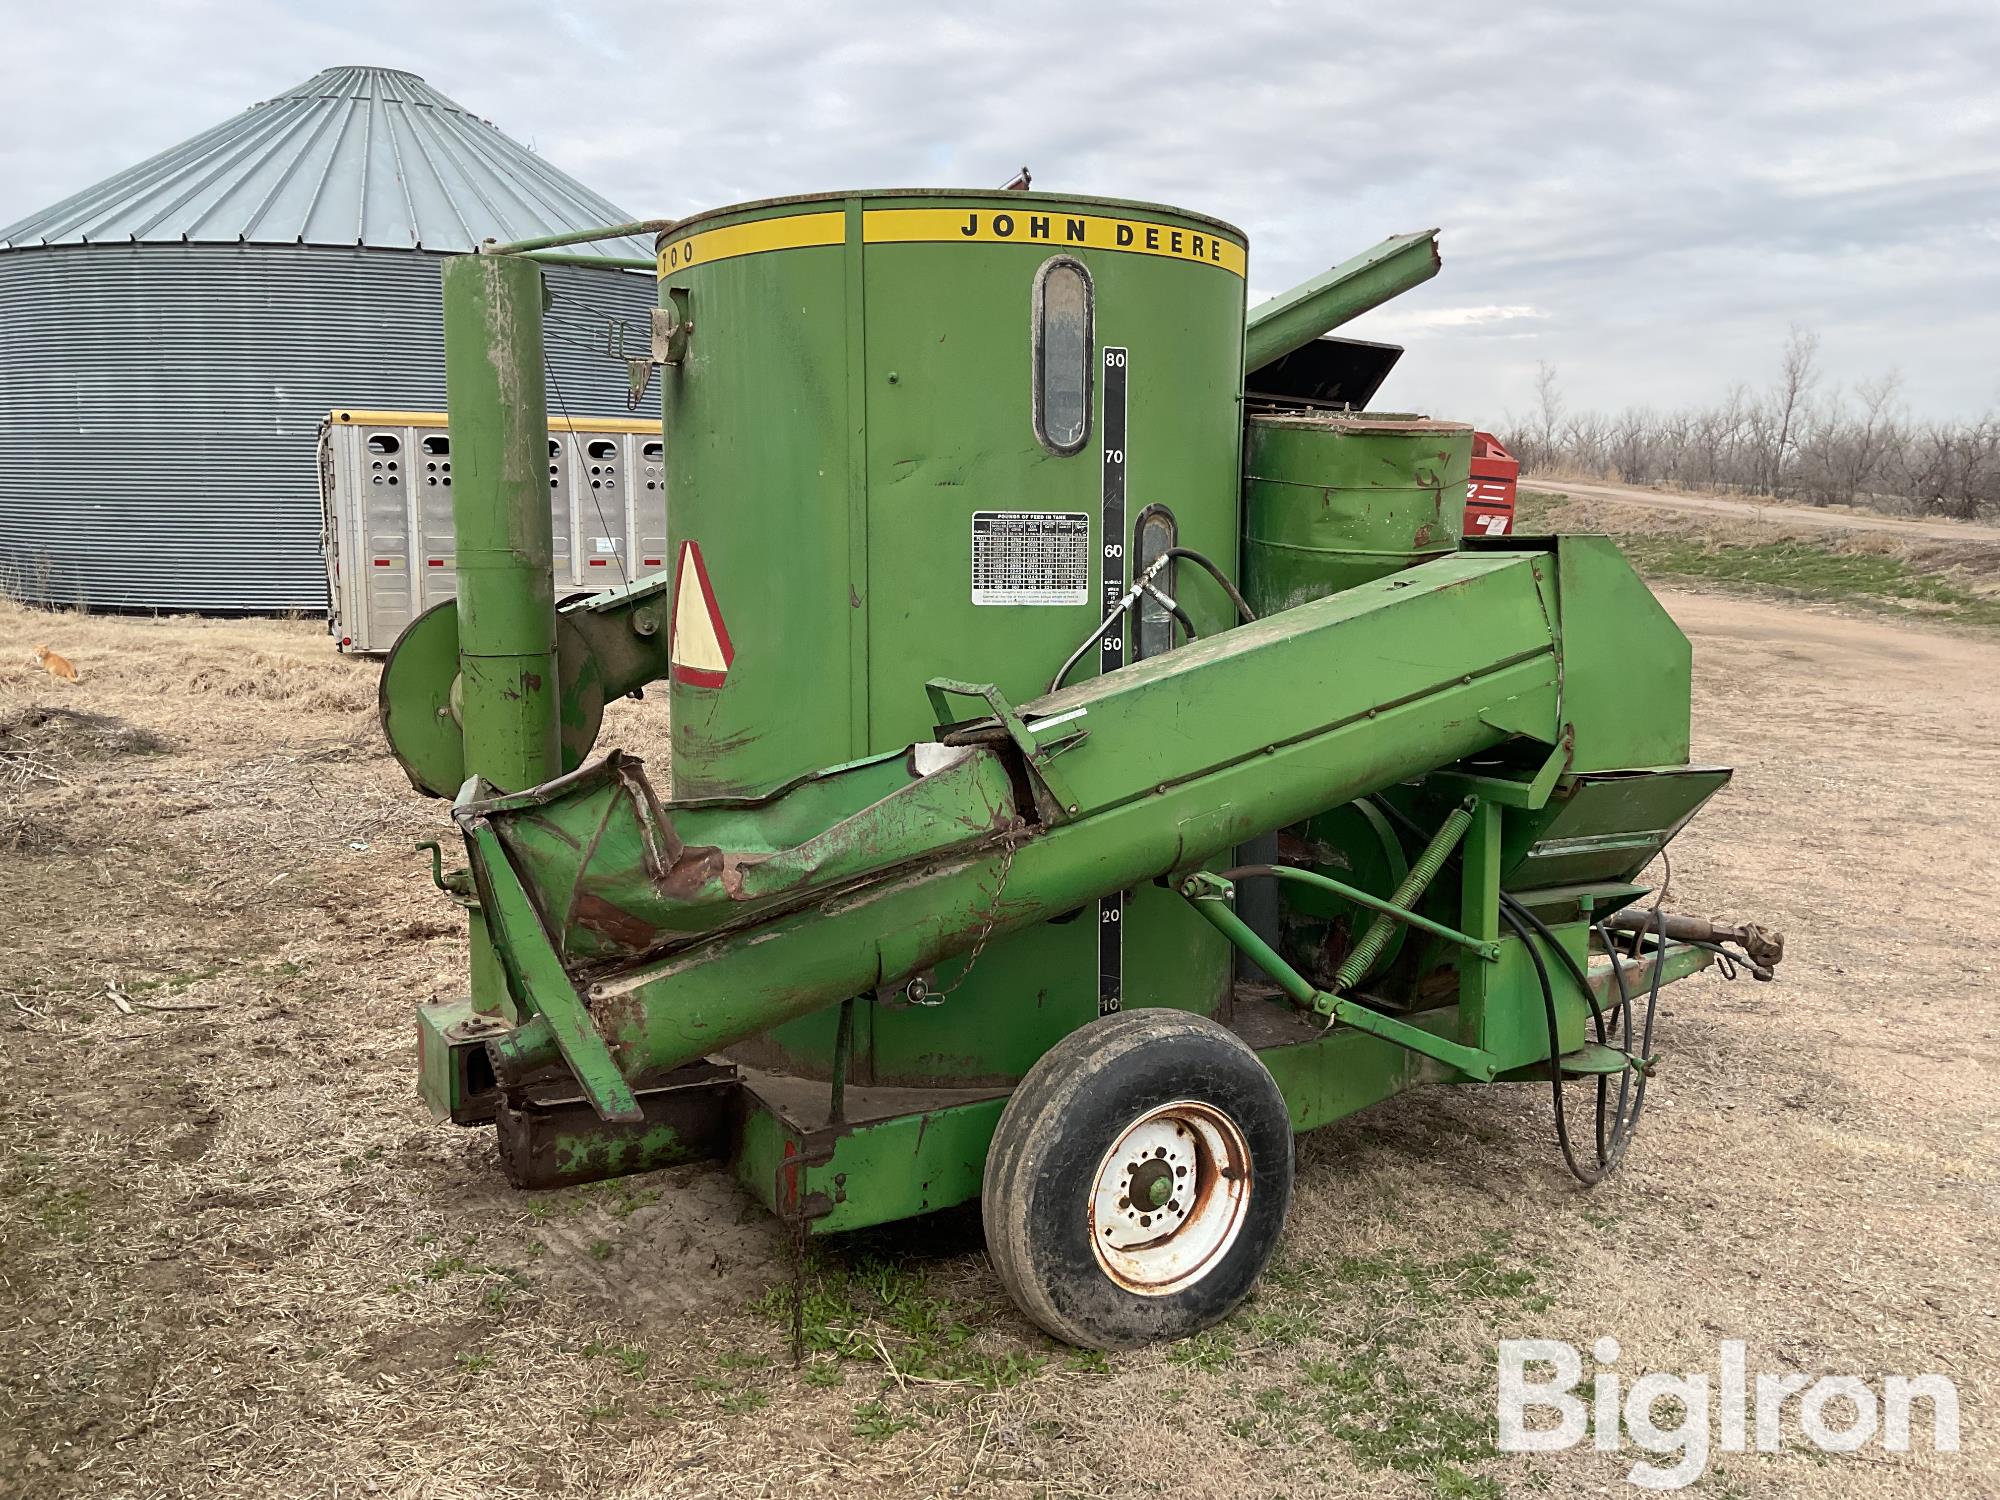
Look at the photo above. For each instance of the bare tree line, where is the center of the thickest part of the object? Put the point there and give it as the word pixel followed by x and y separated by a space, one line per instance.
pixel 1789 440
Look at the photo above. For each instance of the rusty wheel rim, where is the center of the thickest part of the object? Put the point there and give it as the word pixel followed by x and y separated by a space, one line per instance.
pixel 1170 1197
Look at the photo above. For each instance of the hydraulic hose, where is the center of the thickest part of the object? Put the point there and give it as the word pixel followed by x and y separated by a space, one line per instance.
pixel 1521 919
pixel 1147 587
pixel 1179 614
pixel 1590 1176
pixel 1615 1127
pixel 1626 1123
pixel 1203 560
pixel 1129 598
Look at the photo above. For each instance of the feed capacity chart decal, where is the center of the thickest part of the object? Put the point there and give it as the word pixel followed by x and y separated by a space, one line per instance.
pixel 1031 557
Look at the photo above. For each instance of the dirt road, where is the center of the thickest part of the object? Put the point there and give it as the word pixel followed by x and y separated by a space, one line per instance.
pixel 237 1259
pixel 1828 518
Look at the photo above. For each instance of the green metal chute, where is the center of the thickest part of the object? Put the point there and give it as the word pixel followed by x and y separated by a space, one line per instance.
pixel 1297 317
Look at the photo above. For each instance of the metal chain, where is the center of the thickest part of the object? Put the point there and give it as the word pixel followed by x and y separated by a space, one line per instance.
pixel 917 992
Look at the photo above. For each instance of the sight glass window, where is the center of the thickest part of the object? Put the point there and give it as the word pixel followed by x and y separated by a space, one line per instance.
pixel 1152 535
pixel 1062 346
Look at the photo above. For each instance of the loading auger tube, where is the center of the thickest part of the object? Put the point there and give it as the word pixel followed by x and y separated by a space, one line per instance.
pixel 1121 793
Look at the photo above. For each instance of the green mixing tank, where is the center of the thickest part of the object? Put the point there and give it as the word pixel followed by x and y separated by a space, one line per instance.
pixel 1032 608
pixel 911 418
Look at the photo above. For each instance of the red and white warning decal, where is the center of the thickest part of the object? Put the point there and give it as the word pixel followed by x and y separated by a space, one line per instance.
pixel 700 652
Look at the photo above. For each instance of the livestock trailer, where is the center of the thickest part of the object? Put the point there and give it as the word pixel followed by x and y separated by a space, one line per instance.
pixel 385 497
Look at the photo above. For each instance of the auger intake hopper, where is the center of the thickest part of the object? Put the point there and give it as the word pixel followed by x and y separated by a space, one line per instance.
pixel 616 876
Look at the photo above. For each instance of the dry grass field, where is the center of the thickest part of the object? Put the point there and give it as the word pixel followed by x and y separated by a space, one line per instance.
pixel 237 1259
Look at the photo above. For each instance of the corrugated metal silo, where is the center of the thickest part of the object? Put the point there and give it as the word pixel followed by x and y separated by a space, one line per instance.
pixel 171 339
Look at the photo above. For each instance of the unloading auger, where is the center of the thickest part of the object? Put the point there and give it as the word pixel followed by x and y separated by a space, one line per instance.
pixel 908 925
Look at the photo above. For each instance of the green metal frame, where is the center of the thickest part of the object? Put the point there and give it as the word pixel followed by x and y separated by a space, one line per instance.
pixel 837 1156
pixel 876 1171
pixel 884 1164
pixel 1211 897
pixel 535 974
pixel 1138 795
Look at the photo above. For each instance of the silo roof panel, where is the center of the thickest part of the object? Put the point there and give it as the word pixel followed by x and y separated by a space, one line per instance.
pixel 353 156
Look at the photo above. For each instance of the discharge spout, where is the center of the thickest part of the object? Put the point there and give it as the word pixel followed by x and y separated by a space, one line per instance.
pixel 1295 318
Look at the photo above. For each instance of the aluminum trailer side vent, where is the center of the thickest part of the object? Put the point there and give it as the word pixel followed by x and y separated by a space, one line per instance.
pixel 386 491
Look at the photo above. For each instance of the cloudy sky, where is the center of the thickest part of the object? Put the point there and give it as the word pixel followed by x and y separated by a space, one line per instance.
pixel 1646 195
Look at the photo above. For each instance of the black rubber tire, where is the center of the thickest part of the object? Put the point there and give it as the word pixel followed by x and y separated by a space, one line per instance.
pixel 1075 1103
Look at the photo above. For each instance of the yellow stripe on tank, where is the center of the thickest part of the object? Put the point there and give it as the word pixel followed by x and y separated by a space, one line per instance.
pixel 792 232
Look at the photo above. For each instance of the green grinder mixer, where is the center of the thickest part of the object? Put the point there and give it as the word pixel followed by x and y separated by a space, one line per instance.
pixel 1083 778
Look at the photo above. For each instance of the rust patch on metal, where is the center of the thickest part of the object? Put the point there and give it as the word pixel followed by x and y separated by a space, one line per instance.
pixel 697 867
pixel 594 914
pixel 552 1140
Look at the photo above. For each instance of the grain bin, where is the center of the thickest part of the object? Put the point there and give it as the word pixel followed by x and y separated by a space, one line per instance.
pixel 172 338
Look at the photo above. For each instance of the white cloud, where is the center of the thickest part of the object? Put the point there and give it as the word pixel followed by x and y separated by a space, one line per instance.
pixel 1394 320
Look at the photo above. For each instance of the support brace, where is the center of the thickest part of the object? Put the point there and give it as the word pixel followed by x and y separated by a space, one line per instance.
pixel 1210 895
pixel 536 976
pixel 1354 968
